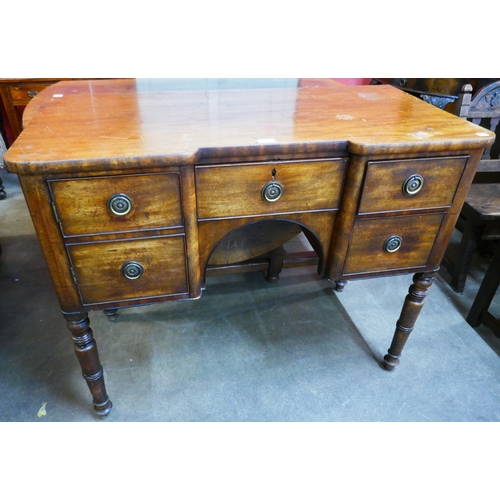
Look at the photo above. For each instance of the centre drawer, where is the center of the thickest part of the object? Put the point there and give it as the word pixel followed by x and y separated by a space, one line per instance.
pixel 117 203
pixel 411 184
pixel 132 269
pixel 267 188
pixel 391 243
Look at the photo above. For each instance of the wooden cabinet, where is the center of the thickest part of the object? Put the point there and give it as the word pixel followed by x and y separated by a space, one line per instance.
pixel 131 190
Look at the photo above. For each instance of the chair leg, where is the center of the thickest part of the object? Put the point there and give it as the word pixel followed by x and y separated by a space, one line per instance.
pixel 3 193
pixel 468 244
pixel 486 291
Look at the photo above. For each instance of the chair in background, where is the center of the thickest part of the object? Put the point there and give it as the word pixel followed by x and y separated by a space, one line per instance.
pixel 479 313
pixel 3 149
pixel 479 219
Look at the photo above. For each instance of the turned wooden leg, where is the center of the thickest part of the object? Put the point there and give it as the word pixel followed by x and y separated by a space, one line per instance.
pixel 86 352
pixel 275 265
pixel 413 304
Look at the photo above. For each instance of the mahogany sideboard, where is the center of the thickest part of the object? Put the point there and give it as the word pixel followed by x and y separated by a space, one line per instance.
pixel 132 188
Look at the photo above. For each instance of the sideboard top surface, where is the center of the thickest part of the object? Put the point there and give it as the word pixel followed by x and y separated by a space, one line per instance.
pixel 125 123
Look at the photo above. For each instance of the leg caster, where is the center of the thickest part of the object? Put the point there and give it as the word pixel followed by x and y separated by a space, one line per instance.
pixel 86 352
pixel 413 304
pixel 340 285
pixel 111 314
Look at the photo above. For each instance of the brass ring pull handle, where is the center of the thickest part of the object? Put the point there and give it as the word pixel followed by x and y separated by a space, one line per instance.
pixel 120 204
pixel 132 270
pixel 413 185
pixel 393 244
pixel 32 93
pixel 272 191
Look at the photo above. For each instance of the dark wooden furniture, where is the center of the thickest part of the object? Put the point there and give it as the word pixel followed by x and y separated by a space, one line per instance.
pixel 479 223
pixel 131 191
pixel 479 313
pixel 441 92
pixel 3 146
pixel 482 107
pixel 480 216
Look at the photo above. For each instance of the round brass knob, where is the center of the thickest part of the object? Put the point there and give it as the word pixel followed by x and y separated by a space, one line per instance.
pixel 32 93
pixel 393 244
pixel 413 184
pixel 132 270
pixel 120 204
pixel 272 191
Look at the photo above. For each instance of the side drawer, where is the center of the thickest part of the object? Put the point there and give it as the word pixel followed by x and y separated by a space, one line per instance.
pixel 411 184
pixel 132 269
pixel 21 93
pixel 237 190
pixel 116 204
pixel 374 243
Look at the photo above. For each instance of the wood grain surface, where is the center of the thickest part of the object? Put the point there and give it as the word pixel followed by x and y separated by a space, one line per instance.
pixel 236 190
pixel 82 204
pixel 98 268
pixel 113 124
pixel 383 186
pixel 366 251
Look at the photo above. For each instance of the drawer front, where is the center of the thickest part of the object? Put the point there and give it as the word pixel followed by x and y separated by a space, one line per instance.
pixel 117 204
pixel 375 245
pixel 26 92
pixel 240 190
pixel 132 269
pixel 411 184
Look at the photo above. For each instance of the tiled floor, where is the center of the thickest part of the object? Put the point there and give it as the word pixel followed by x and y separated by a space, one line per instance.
pixel 247 351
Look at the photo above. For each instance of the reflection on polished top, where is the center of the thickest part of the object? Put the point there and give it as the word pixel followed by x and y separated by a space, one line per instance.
pixel 122 123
